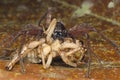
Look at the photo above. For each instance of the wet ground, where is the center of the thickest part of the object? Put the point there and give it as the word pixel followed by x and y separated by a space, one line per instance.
pixel 14 15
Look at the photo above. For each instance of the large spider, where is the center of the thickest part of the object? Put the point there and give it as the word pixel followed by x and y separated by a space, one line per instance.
pixel 47 48
pixel 56 35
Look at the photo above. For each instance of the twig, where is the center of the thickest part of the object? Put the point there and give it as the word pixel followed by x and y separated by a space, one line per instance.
pixel 112 64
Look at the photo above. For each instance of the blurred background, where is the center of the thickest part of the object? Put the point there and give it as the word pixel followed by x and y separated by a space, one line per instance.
pixel 102 14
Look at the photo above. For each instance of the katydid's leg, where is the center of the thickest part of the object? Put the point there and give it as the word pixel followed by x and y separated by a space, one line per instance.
pixel 49 61
pixel 67 61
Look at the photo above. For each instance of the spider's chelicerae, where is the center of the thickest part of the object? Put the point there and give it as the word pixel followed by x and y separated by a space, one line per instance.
pixel 54 40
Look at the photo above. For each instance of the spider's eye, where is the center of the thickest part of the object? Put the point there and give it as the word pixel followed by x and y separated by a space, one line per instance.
pixel 57 35
pixel 60 32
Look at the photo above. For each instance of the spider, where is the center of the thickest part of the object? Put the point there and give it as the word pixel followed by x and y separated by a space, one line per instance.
pixel 56 34
pixel 47 48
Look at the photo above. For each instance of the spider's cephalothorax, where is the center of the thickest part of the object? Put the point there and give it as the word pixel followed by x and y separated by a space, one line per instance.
pixel 60 31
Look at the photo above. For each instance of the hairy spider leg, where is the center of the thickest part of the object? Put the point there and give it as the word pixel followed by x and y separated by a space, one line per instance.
pixel 90 53
pixel 14 38
pixel 19 55
pixel 115 46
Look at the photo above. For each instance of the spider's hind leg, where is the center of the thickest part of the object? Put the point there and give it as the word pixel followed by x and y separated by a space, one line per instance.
pixel 115 45
pixel 23 41
pixel 90 53
pixel 7 50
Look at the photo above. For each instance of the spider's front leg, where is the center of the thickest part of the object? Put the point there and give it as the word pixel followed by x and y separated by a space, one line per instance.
pixel 82 30
pixel 90 53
